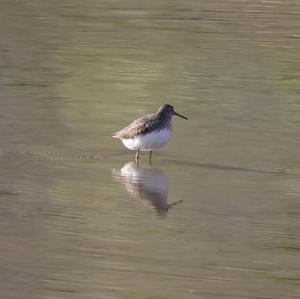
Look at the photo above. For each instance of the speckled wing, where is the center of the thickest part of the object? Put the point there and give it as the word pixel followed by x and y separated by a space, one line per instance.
pixel 139 126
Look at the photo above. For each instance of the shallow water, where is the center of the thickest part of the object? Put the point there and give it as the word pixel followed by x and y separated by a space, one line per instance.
pixel 216 215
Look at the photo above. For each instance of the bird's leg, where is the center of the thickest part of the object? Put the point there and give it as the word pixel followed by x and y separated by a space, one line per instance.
pixel 137 156
pixel 150 156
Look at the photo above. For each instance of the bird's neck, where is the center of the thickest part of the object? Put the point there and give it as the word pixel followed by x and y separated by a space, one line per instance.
pixel 163 116
pixel 164 120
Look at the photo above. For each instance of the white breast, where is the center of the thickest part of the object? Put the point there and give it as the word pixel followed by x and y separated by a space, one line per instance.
pixel 148 141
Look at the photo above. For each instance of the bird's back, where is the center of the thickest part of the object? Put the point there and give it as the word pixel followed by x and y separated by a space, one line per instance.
pixel 143 125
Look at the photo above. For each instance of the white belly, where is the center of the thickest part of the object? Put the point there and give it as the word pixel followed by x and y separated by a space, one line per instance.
pixel 149 141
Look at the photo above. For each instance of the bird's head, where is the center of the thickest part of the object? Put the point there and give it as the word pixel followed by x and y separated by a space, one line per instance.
pixel 168 111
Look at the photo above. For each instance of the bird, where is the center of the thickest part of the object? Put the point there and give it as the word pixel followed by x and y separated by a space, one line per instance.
pixel 149 132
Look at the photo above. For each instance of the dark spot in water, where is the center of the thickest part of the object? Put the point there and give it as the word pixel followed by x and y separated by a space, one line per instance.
pixel 225 167
pixel 7 193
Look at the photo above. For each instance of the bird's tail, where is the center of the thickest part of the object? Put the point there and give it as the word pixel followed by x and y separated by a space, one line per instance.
pixel 115 135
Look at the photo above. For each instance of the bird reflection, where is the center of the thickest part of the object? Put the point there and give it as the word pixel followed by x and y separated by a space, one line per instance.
pixel 147 183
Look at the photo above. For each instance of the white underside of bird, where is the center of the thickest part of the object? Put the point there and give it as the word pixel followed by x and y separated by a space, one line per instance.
pixel 149 141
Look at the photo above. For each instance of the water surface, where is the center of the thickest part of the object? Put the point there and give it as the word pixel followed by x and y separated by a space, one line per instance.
pixel 216 215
